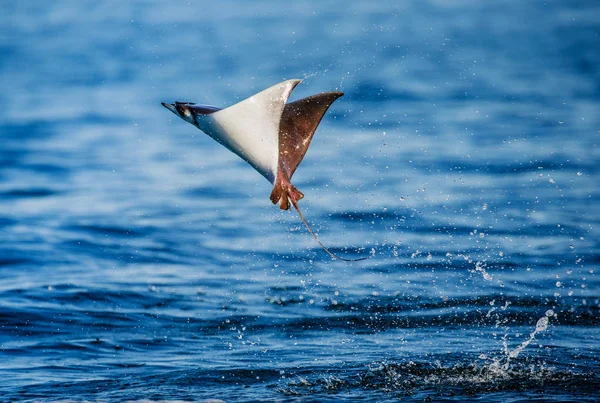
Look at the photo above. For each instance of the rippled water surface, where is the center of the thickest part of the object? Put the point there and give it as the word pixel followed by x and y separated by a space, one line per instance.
pixel 141 260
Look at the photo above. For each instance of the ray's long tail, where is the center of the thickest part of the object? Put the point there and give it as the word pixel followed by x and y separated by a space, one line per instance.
pixel 333 255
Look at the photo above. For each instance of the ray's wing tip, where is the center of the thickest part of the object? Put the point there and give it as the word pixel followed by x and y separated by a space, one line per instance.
pixel 333 94
pixel 170 107
pixel 293 83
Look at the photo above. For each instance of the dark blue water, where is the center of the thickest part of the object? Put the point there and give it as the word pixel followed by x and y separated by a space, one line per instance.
pixel 141 260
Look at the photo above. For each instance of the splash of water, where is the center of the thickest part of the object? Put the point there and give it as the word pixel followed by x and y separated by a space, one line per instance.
pixel 500 366
pixel 479 266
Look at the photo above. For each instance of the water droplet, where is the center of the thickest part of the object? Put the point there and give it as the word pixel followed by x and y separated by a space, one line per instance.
pixel 542 324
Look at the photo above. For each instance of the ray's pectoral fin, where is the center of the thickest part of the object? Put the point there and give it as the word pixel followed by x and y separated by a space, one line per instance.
pixel 299 122
pixel 250 128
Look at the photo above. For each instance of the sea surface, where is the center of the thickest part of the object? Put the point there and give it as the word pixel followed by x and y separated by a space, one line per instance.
pixel 140 260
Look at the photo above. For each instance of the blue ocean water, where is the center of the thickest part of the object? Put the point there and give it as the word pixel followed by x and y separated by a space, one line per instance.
pixel 141 260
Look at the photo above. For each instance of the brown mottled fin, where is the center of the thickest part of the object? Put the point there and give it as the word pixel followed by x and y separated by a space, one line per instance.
pixel 298 125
